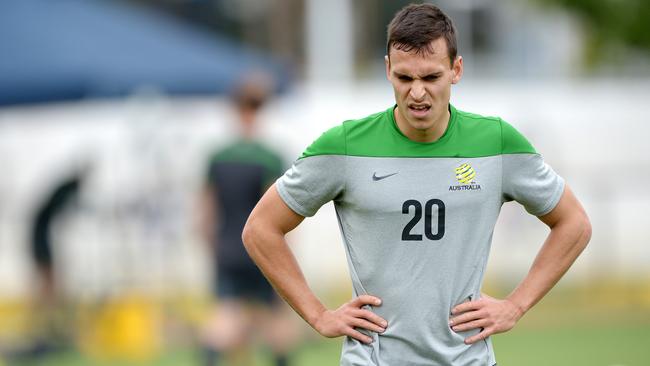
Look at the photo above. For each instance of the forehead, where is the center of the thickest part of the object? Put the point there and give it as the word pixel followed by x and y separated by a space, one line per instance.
pixel 434 59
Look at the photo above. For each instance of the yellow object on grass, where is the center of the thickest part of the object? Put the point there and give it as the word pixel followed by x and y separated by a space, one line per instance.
pixel 127 327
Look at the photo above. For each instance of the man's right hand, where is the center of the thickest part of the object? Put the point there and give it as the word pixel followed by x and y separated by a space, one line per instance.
pixel 342 321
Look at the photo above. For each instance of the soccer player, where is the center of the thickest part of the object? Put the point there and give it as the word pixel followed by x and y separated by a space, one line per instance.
pixel 238 175
pixel 417 190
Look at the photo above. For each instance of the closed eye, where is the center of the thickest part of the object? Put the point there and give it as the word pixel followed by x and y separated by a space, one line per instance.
pixel 404 78
pixel 432 77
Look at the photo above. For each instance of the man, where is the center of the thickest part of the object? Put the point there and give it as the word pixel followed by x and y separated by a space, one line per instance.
pixel 238 175
pixel 417 191
pixel 51 315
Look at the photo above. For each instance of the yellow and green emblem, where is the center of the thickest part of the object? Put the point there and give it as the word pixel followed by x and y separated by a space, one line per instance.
pixel 465 174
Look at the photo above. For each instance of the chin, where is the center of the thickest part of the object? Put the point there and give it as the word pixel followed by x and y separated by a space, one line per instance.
pixel 425 121
pixel 422 126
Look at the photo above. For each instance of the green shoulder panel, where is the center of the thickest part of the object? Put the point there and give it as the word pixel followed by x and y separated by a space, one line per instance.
pixel 513 141
pixel 468 135
pixel 331 142
pixel 476 136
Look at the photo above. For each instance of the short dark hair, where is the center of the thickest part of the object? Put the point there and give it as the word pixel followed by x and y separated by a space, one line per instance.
pixel 253 89
pixel 415 26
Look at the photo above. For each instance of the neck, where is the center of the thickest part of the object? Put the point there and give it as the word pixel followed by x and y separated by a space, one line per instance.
pixel 247 127
pixel 431 134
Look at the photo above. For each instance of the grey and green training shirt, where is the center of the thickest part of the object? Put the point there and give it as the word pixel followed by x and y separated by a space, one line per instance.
pixel 417 221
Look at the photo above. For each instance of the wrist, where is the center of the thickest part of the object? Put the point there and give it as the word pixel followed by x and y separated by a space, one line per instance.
pixel 519 307
pixel 315 316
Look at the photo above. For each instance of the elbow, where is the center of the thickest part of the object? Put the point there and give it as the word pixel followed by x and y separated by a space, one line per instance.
pixel 248 235
pixel 255 236
pixel 585 230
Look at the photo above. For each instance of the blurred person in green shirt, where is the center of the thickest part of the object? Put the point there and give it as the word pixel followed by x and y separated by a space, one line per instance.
pixel 237 176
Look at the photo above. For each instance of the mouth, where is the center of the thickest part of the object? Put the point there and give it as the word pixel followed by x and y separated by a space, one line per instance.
pixel 419 110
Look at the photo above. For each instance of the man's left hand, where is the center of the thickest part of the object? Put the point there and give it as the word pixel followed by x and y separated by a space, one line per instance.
pixel 491 315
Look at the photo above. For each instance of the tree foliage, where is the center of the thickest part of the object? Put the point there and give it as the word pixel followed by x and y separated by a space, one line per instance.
pixel 613 26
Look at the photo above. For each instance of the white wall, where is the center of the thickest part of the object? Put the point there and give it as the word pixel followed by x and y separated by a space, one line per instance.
pixel 135 227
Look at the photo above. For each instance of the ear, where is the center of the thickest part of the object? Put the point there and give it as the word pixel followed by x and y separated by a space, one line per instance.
pixel 457 70
pixel 387 62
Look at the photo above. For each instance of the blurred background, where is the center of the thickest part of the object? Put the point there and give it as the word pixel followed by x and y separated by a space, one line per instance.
pixel 109 111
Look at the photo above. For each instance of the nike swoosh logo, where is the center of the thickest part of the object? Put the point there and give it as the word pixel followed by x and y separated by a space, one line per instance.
pixel 376 178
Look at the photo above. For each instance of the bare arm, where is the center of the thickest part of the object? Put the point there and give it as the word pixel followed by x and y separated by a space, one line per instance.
pixel 570 233
pixel 264 239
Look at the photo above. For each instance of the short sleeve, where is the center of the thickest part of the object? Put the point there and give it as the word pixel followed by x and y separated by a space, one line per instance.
pixel 526 178
pixel 311 182
pixel 318 176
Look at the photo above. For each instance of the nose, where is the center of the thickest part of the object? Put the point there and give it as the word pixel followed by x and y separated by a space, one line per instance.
pixel 417 90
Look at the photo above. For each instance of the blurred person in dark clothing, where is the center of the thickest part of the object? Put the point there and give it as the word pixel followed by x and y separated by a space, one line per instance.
pixel 53 206
pixel 237 176
pixel 49 316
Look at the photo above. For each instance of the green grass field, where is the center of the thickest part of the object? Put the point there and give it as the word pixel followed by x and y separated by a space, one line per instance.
pixel 621 345
pixel 604 328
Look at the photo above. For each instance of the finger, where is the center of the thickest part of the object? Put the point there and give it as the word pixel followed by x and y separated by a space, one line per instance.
pixel 465 317
pixel 481 323
pixel 466 306
pixel 366 300
pixel 482 335
pixel 370 316
pixel 364 324
pixel 352 333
